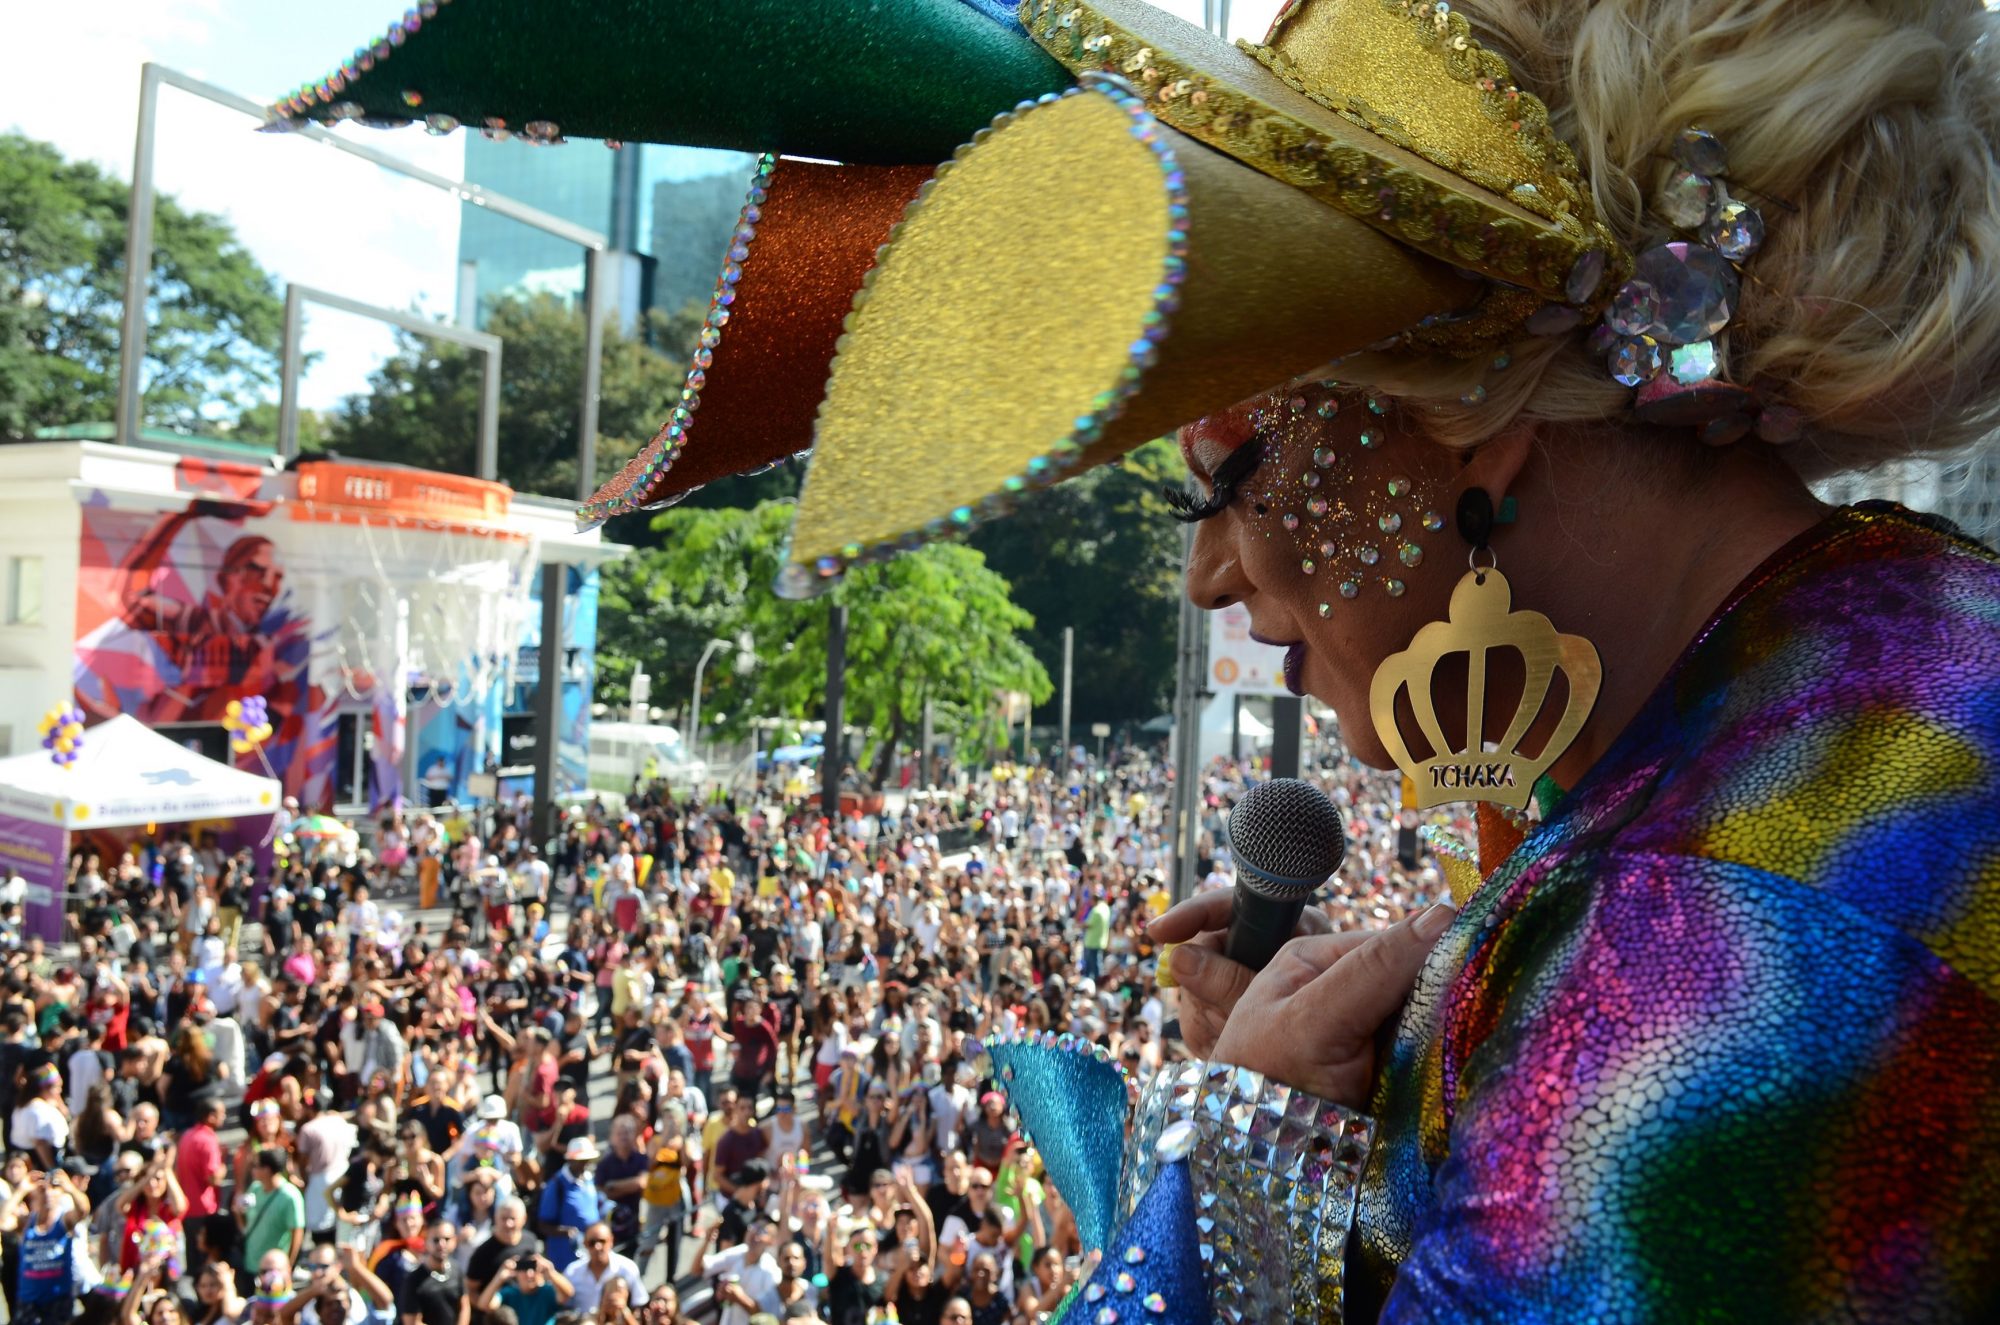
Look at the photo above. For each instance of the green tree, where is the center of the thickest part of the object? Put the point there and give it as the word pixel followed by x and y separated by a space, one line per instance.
pixel 422 406
pixel 1100 553
pixel 935 624
pixel 216 318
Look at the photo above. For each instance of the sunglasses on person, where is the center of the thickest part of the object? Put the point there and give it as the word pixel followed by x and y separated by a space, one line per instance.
pixel 982 1186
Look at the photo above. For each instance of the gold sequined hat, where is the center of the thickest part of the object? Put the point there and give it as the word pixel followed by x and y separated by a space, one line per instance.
pixel 1194 222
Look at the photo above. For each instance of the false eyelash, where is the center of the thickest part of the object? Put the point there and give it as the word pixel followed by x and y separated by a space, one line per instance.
pixel 1229 475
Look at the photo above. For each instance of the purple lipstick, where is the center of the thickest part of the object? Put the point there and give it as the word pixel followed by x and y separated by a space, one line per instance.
pixel 1295 660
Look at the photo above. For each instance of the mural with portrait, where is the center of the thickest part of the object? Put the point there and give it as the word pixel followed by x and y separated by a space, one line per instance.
pixel 182 612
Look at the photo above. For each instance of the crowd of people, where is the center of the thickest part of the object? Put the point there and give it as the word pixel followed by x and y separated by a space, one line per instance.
pixel 721 1048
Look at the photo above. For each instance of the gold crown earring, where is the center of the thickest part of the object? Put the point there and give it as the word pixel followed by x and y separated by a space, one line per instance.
pixel 1481 622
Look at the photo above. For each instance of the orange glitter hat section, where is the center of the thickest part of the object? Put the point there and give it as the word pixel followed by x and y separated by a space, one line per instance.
pixel 808 235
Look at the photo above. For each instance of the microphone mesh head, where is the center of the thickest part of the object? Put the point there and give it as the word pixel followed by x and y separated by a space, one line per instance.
pixel 1286 829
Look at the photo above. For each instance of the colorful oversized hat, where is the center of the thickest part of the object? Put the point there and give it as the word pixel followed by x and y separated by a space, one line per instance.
pixel 1190 223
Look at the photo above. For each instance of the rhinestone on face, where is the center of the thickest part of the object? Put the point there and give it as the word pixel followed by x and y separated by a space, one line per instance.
pixel 1326 609
pixel 1310 478
pixel 1323 456
pixel 1399 486
pixel 1327 409
pixel 1135 1255
pixel 1735 231
pixel 1308 566
pixel 1289 521
pixel 1349 588
pixel 1394 588
pixel 1694 363
pixel 1095 1293
pixel 1370 439
pixel 1685 199
pixel 1700 151
pixel 1106 1316
pixel 1433 521
pixel 1410 554
pixel 1328 548
pixel 1390 523
pixel 1156 1304
pixel 1696 287
pixel 1367 554
pixel 1124 1283
pixel 1634 361
pixel 1317 506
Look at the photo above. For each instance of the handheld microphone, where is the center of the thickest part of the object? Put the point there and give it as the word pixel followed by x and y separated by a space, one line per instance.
pixel 1287 839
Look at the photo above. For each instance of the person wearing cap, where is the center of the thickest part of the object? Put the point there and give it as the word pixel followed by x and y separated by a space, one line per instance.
pixel 494 1138
pixel 570 1201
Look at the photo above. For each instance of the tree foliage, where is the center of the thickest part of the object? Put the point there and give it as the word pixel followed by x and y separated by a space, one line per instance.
pixel 935 624
pixel 422 406
pixel 1102 554
pixel 216 319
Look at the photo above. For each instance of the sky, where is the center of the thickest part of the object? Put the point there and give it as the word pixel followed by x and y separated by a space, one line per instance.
pixel 69 75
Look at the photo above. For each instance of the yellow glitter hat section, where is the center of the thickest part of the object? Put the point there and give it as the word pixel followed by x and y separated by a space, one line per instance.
pixel 1002 338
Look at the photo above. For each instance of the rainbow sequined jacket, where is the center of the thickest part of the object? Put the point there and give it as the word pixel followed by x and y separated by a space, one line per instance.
pixel 1720 1041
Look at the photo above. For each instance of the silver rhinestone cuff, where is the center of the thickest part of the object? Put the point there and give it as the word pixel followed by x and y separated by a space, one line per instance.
pixel 1275 1172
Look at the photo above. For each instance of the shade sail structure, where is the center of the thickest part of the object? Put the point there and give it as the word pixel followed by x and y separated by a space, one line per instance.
pixel 126 774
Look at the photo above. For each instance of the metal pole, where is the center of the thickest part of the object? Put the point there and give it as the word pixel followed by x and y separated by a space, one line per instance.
pixel 138 262
pixel 1027 722
pixel 489 417
pixel 548 700
pixel 1187 733
pixel 593 355
pixel 927 767
pixel 1288 727
pixel 835 745
pixel 139 228
pixel 1235 727
pixel 467 315
pixel 288 380
pixel 694 705
pixel 1069 654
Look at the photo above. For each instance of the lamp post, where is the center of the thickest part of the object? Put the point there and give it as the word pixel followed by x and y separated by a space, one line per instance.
pixel 694 707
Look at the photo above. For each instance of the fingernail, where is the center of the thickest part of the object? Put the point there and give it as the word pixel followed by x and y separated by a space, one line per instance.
pixel 1165 977
pixel 1434 921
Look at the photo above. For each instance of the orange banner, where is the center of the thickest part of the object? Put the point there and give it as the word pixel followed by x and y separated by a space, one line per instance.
pixel 408 493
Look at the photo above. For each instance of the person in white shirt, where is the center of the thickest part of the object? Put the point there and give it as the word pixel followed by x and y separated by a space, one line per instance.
pixel 361 917
pixel 746 1276
pixel 597 1266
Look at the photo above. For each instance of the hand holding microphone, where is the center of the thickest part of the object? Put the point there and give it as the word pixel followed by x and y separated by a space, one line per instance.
pixel 1287 839
pixel 1311 1019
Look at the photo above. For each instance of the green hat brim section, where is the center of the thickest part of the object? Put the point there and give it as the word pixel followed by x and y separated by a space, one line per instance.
pixel 886 81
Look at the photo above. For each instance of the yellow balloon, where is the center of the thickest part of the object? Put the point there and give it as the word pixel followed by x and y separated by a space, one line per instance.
pixel 233 707
pixel 48 724
pixel 74 731
pixel 241 747
pixel 63 746
pixel 264 732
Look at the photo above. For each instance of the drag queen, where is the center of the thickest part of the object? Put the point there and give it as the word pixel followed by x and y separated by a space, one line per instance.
pixel 1504 338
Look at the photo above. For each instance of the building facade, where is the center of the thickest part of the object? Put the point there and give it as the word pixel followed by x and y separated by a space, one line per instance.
pixel 667 211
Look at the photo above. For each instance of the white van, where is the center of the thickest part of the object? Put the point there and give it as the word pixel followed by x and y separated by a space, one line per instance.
pixel 622 751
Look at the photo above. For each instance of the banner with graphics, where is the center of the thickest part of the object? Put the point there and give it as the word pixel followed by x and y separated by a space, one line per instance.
pixel 1237 664
pixel 38 854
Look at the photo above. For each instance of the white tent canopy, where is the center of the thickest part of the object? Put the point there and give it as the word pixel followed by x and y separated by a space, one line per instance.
pixel 128 774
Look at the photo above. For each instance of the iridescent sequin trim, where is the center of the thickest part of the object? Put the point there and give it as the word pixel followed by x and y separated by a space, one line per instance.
pixel 628 491
pixel 1276 1172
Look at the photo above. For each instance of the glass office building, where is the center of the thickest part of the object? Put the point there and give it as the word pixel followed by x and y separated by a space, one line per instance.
pixel 668 212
